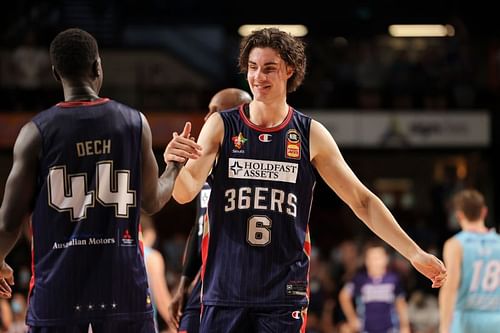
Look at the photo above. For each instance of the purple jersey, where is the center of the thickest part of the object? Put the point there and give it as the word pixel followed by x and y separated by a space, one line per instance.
pixel 256 242
pixel 375 298
pixel 87 260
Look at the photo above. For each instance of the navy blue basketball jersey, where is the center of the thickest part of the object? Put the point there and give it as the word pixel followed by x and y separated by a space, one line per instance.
pixel 88 263
pixel 193 301
pixel 256 243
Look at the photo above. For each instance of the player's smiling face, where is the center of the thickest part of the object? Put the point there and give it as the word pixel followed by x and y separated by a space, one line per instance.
pixel 267 74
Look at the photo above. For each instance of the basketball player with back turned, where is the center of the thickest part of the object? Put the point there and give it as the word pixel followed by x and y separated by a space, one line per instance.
pixel 84 169
pixel 262 156
pixel 469 301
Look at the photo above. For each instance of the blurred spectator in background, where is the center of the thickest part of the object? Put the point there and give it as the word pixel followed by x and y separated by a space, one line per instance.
pixel 5 315
pixel 423 312
pixel 18 305
pixel 345 263
pixel 155 268
pixel 30 65
pixel 377 295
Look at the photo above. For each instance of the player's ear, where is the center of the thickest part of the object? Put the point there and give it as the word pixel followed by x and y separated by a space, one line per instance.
pixel 96 68
pixel 56 74
pixel 484 213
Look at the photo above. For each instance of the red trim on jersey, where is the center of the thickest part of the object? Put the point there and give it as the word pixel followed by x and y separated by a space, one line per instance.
pixel 204 248
pixel 304 320
pixel 72 104
pixel 141 243
pixel 32 280
pixel 264 129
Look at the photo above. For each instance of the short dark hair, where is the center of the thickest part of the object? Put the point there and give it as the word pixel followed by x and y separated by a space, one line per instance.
pixel 73 52
pixel 470 202
pixel 290 49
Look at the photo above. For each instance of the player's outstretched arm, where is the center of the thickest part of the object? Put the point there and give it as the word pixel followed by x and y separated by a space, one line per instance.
pixel 156 192
pixel 195 172
pixel 18 197
pixel 452 255
pixel 326 157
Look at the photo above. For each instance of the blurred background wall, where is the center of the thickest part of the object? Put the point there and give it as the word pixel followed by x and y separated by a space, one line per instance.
pixel 414 117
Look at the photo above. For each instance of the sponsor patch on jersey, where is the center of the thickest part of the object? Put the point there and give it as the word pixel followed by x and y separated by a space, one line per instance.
pixel 292 148
pixel 204 197
pixel 276 171
pixel 265 137
pixel 127 239
pixel 296 314
pixel 296 288
pixel 239 141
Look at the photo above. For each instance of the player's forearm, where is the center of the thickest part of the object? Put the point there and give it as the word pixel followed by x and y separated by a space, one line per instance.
pixel 347 307
pixel 381 221
pixel 402 309
pixel 184 283
pixel 446 308
pixel 165 188
pixel 186 187
pixel 8 237
pixel 192 258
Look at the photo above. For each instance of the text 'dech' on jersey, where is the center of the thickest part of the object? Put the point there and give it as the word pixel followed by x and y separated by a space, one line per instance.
pixel 256 243
pixel 87 257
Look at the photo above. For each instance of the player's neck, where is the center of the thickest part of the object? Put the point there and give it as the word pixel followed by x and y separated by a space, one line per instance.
pixel 477 227
pixel 268 115
pixel 79 93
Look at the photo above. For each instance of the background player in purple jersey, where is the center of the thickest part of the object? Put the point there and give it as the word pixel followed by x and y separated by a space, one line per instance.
pixel 256 243
pixel 186 317
pixel 84 169
pixel 377 294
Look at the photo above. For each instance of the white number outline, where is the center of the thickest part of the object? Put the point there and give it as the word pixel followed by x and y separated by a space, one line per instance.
pixel 68 192
pixel 264 230
pixel 113 184
pixel 60 204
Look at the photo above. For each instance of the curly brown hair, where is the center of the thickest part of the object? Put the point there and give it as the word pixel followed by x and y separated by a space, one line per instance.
pixel 290 49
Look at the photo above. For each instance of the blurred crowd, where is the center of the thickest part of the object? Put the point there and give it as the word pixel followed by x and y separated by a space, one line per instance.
pixel 381 72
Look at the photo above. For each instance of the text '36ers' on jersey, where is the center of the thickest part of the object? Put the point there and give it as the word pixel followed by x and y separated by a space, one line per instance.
pixel 256 243
pixel 87 260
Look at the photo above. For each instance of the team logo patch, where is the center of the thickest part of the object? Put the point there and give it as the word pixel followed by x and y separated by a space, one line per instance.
pixel 265 137
pixel 277 171
pixel 239 140
pixel 296 314
pixel 292 148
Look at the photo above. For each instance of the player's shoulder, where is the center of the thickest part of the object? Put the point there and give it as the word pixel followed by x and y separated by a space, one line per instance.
pixel 121 106
pixel 300 114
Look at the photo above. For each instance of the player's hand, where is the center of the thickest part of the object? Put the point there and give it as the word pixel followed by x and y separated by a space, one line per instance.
pixel 431 267
pixel 182 147
pixel 6 280
pixel 175 309
pixel 354 325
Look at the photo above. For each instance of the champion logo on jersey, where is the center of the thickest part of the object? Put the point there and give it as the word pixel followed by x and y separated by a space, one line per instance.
pixel 239 140
pixel 265 137
pixel 296 314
